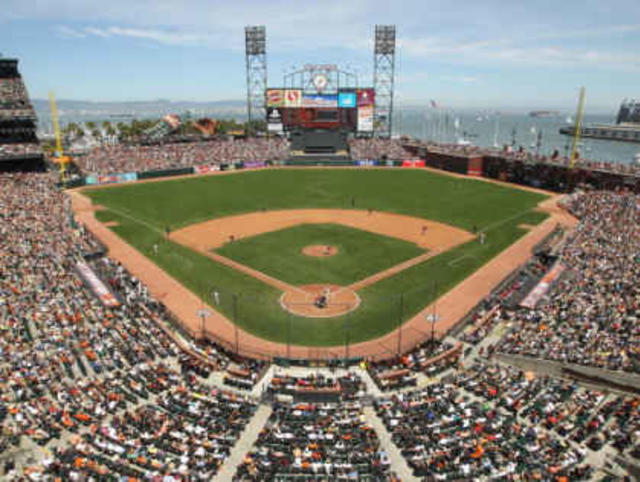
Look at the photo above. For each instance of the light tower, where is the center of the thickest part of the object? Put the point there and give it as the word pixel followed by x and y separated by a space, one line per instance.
pixel 384 65
pixel 256 60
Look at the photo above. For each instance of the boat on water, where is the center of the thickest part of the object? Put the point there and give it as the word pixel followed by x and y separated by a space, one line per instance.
pixel 544 113
pixel 626 128
pixel 610 132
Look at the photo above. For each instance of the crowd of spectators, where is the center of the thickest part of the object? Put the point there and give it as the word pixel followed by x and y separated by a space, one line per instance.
pixel 523 155
pixel 19 149
pixel 501 423
pixel 320 441
pixel 241 372
pixel 430 358
pixel 135 158
pixel 119 395
pixel 14 100
pixel 377 149
pixel 347 387
pixel 185 434
pixel 507 295
pixel 592 315
pixel 69 365
pixel 14 104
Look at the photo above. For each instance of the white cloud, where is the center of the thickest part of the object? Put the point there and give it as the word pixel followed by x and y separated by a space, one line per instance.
pixel 505 51
pixel 160 36
pixel 97 32
pixel 68 32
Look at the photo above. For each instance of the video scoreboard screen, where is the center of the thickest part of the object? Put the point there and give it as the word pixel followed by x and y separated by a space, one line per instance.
pixel 349 109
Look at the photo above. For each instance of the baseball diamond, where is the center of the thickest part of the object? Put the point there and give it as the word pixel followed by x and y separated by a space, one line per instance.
pixel 211 218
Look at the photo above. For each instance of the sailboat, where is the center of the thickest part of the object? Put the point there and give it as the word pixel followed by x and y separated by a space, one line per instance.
pixel 569 119
pixel 495 133
pixel 637 158
pixel 460 140
pixel 533 133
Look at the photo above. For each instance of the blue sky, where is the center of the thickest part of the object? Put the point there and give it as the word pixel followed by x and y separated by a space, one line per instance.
pixel 477 54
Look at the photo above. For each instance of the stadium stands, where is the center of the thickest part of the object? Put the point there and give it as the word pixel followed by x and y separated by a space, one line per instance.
pixel 500 423
pixel 316 442
pixel 430 359
pixel 69 363
pixel 100 392
pixel 18 143
pixel 591 317
pixel 378 149
pixel 137 158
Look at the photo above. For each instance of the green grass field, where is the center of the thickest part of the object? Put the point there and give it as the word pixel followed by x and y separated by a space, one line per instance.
pixel 144 210
pixel 360 253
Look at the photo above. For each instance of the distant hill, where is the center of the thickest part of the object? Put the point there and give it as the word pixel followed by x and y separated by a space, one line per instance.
pixel 80 110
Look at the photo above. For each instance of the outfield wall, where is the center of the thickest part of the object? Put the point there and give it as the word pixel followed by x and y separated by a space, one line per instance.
pixel 118 178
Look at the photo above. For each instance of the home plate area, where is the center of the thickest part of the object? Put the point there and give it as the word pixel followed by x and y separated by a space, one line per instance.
pixel 320 300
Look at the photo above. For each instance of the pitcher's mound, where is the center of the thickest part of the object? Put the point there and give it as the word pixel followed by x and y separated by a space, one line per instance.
pixel 320 250
pixel 320 300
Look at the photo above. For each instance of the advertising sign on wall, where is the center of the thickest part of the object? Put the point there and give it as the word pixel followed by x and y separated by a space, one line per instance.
pixel 292 98
pixel 274 119
pixel 365 118
pixel 347 100
pixel 319 100
pixel 206 168
pixel 366 97
pixel 96 285
pixel 111 178
pixel 275 98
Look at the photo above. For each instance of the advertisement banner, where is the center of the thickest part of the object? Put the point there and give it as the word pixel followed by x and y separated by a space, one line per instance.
pixel 275 98
pixel 96 285
pixel 413 163
pixel 274 119
pixel 366 97
pixel 347 100
pixel 365 119
pixel 253 164
pixel 292 98
pixel 111 178
pixel 319 100
pixel 536 294
pixel 367 162
pixel 205 169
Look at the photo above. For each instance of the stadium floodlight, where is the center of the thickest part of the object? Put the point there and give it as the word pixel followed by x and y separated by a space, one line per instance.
pixel 385 39
pixel 256 40
pixel 256 60
pixel 383 76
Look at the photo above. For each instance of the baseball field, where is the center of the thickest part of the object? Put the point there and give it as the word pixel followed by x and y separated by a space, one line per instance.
pixel 261 246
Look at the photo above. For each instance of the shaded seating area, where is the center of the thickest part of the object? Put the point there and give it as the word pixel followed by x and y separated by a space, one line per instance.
pixel 430 358
pixel 318 387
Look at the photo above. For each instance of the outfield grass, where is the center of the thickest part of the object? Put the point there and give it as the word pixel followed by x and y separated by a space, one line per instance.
pixel 457 201
pixel 360 253
pixel 143 210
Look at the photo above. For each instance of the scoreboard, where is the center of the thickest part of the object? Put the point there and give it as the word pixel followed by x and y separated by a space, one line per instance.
pixel 348 109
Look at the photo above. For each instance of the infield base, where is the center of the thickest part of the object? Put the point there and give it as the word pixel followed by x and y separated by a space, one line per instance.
pixel 307 300
pixel 320 250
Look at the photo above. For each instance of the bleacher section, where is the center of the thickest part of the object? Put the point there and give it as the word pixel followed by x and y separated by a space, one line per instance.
pixel 19 147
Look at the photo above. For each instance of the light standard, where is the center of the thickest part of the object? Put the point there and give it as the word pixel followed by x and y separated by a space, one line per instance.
pixel 203 313
pixel 433 318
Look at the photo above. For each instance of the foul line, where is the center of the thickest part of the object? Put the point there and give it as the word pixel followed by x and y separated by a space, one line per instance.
pixel 134 219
